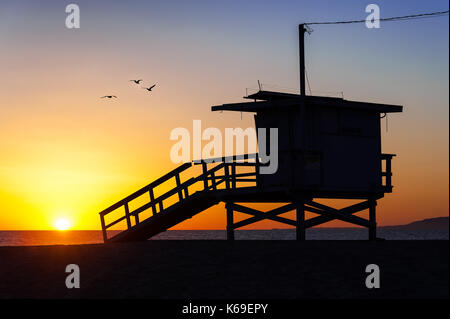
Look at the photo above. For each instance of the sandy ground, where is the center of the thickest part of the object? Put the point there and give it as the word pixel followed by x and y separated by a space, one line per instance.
pixel 220 269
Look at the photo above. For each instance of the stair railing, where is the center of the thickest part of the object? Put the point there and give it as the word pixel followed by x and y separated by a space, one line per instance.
pixel 225 172
pixel 151 204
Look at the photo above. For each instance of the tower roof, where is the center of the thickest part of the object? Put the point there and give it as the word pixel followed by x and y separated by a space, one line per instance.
pixel 264 100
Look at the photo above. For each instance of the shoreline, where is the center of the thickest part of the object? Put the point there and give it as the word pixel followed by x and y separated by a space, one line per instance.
pixel 77 237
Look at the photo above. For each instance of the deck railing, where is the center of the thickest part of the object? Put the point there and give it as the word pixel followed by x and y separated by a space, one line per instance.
pixel 387 172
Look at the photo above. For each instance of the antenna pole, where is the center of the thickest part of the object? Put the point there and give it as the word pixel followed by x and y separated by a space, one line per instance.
pixel 301 47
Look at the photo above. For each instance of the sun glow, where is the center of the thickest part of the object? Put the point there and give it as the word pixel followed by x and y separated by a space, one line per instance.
pixel 62 224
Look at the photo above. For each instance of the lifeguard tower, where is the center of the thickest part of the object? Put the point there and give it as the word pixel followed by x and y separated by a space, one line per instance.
pixel 328 148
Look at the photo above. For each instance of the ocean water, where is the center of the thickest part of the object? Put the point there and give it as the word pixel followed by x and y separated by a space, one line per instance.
pixel 33 238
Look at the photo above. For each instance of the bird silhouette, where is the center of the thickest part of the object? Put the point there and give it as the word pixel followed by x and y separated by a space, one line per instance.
pixel 109 96
pixel 150 88
pixel 136 81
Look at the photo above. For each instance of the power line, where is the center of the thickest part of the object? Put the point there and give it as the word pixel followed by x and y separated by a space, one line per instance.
pixel 307 80
pixel 401 18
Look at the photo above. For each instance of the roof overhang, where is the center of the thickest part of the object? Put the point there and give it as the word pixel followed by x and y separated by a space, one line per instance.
pixel 278 100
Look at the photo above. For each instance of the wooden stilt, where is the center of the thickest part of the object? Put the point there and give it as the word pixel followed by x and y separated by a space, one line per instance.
pixel 372 220
pixel 230 228
pixel 300 220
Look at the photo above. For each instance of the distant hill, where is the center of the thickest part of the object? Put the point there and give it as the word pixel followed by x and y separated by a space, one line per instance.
pixel 438 223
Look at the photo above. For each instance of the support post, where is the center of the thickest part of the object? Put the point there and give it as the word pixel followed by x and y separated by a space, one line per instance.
pixel 127 216
pixel 227 176
pixel 180 191
pixel 301 47
pixel 300 220
pixel 372 220
pixel 213 181
pixel 105 235
pixel 152 199
pixel 205 176
pixel 186 192
pixel 257 164
pixel 230 229
pixel 233 175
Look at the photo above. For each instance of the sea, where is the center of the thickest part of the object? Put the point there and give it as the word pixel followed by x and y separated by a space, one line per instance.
pixel 77 237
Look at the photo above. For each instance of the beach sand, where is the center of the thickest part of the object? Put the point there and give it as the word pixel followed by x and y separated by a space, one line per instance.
pixel 221 269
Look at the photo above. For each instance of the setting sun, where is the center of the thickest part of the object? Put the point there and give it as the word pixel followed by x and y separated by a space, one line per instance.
pixel 62 224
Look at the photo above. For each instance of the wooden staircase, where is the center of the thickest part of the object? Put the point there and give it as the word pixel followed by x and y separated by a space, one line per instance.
pixel 210 186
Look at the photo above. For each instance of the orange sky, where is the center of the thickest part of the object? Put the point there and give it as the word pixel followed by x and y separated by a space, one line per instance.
pixel 64 152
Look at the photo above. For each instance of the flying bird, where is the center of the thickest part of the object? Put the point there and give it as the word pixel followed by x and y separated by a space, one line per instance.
pixel 150 88
pixel 109 96
pixel 136 81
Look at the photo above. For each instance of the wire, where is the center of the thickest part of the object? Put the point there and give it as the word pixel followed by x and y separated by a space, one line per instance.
pixel 307 81
pixel 408 17
pixel 387 123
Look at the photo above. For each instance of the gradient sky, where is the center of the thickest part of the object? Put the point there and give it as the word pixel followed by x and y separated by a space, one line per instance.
pixel 66 153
